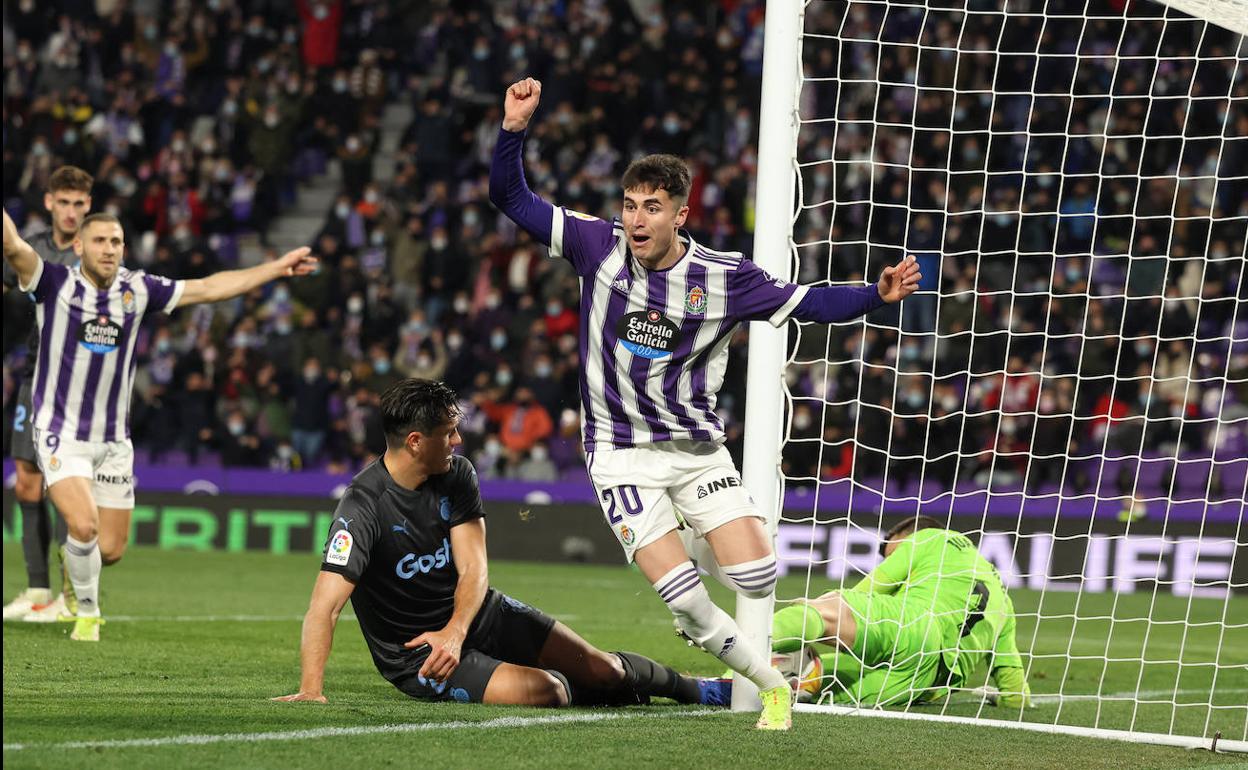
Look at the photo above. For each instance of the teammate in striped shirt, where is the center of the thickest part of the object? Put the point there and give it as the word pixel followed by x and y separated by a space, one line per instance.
pixel 88 317
pixel 656 315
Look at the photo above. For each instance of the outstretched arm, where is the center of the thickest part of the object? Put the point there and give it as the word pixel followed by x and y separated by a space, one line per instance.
pixel 231 283
pixel 24 260
pixel 831 304
pixel 328 598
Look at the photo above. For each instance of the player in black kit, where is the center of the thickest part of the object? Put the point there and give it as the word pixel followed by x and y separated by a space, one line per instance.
pixel 408 548
pixel 68 201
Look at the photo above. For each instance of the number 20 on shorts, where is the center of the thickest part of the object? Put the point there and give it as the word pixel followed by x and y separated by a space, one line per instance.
pixel 626 497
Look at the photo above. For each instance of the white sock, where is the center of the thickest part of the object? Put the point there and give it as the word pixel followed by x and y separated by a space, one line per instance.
pixel 82 562
pixel 712 628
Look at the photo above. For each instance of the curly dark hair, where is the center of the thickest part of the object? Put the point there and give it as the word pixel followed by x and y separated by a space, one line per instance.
pixel 659 172
pixel 416 405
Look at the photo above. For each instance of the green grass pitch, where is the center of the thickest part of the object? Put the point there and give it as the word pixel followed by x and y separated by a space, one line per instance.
pixel 200 641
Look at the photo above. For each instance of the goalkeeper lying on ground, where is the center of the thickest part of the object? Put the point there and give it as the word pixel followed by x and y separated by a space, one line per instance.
pixel 917 625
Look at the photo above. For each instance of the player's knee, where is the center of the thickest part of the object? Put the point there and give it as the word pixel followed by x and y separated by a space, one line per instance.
pixel 551 690
pixel 84 530
pixel 28 488
pixel 605 670
pixel 755 579
pixel 112 555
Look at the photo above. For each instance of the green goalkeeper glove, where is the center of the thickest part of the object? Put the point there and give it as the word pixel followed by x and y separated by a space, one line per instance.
pixel 1014 691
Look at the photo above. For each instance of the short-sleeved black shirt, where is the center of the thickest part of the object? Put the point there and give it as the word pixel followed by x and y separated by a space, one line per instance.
pixel 44 244
pixel 395 545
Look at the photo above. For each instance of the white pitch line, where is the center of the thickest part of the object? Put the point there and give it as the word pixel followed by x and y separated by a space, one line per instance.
pixel 972 697
pixel 335 732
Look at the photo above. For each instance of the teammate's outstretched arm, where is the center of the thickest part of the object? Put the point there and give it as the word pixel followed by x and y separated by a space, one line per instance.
pixel 20 255
pixel 329 596
pixel 231 283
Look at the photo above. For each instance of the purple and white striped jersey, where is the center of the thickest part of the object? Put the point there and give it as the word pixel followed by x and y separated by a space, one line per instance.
pixel 654 344
pixel 85 369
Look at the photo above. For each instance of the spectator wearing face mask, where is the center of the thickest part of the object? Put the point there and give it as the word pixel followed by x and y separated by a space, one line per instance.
pixel 523 422
pixel 240 446
pixel 321 23
pixel 535 466
pixel 355 158
pixel 310 421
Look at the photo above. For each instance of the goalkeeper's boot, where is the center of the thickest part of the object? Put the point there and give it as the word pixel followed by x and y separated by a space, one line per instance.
pixel 715 692
pixel 777 709
pixel 50 612
pixel 26 601
pixel 67 589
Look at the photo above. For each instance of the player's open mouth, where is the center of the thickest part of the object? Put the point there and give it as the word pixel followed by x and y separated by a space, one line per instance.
pixel 640 240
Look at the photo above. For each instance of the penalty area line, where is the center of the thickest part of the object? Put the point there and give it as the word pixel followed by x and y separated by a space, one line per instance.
pixel 501 723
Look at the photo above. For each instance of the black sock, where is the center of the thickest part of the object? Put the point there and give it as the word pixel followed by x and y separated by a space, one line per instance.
pixel 59 529
pixel 592 696
pixel 35 538
pixel 648 677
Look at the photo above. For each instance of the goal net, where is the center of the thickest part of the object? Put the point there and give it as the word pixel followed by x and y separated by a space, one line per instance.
pixel 1069 388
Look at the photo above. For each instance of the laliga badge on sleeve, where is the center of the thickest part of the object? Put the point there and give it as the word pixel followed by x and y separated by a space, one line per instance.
pixel 339 549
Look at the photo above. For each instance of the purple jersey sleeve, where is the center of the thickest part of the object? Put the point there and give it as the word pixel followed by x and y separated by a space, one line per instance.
pixel 832 304
pixel 754 295
pixel 47 280
pixel 163 293
pixel 581 239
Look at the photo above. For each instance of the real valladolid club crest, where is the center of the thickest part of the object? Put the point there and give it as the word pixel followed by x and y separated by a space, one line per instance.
pixel 695 300
pixel 127 301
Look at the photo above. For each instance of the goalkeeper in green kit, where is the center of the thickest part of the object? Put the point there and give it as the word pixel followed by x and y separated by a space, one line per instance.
pixel 920 623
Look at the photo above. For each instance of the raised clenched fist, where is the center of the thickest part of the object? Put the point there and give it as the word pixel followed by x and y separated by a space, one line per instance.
pixel 521 103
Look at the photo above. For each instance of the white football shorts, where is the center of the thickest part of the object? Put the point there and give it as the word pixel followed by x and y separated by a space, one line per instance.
pixel 641 489
pixel 108 464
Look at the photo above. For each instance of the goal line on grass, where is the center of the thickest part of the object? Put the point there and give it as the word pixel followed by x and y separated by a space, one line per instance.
pixel 501 723
pixel 1181 741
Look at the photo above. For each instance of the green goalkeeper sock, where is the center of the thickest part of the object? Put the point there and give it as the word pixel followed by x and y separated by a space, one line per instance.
pixel 793 624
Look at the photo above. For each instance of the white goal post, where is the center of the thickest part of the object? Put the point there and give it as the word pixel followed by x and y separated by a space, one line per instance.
pixel 1073 198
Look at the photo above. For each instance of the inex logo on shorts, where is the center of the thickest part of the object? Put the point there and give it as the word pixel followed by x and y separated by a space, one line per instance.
pixel 648 334
pixel 100 335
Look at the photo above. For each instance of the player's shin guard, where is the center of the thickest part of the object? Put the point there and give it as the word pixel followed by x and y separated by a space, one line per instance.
pixel 712 628
pixel 755 579
pixel 83 563
pixel 35 538
pixel 648 677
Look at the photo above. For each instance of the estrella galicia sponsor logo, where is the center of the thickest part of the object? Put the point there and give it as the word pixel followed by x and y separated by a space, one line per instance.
pixel 412 564
pixel 100 335
pixel 706 490
pixel 648 334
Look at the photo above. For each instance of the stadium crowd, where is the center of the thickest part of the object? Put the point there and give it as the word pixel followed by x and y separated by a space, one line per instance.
pixel 201 122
